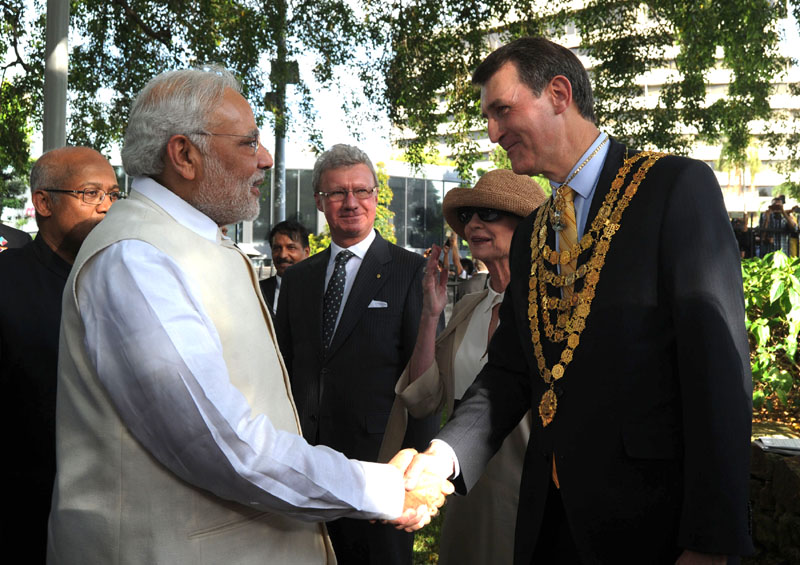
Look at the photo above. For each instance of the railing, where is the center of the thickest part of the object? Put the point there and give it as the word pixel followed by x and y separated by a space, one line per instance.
pixel 758 242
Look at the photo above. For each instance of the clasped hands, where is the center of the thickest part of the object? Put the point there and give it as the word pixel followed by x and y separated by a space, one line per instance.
pixel 425 476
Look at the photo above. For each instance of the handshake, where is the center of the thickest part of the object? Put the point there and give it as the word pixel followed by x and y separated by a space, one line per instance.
pixel 426 485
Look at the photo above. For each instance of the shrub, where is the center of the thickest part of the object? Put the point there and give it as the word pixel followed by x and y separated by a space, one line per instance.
pixel 772 304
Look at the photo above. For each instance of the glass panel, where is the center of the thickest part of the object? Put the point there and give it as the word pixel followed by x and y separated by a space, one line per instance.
pixel 416 220
pixel 398 206
pixel 463 247
pixel 291 194
pixel 308 208
pixel 263 223
pixel 434 219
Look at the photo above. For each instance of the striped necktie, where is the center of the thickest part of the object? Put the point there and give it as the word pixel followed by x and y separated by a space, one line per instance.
pixel 568 237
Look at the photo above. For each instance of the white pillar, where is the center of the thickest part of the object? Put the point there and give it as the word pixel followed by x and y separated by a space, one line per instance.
pixel 54 128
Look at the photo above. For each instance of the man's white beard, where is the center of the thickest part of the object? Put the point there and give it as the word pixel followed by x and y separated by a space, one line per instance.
pixel 219 197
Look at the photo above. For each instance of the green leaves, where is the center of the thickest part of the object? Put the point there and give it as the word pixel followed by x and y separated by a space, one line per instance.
pixel 772 303
pixel 116 46
pixel 436 44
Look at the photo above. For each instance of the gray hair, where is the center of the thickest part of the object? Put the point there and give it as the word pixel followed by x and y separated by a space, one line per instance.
pixel 172 103
pixel 46 173
pixel 55 168
pixel 338 156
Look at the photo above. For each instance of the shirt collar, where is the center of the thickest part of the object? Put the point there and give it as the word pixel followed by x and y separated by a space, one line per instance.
pixel 586 179
pixel 183 212
pixel 493 297
pixel 359 249
pixel 49 258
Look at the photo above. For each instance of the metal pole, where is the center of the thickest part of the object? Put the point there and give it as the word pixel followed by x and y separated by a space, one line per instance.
pixel 279 86
pixel 280 176
pixel 54 128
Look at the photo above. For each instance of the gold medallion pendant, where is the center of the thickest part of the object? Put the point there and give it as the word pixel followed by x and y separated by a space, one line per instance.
pixel 547 406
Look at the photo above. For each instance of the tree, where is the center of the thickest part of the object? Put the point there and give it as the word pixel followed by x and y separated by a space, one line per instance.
pixel 21 82
pixel 500 160
pixel 384 218
pixel 12 190
pixel 118 45
pixel 436 45
pixel 785 140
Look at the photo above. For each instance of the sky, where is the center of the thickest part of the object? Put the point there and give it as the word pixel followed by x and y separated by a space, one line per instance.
pixel 333 123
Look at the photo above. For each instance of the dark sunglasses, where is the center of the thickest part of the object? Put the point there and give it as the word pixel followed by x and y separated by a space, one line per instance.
pixel 485 214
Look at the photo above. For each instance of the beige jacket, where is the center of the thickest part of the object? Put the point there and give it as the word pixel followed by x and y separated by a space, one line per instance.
pixel 113 503
pixel 478 528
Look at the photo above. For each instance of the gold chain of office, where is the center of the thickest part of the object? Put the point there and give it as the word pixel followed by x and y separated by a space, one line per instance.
pixel 571 313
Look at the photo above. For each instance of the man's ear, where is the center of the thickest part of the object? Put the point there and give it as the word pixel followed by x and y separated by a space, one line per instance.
pixel 560 90
pixel 318 201
pixel 42 203
pixel 184 157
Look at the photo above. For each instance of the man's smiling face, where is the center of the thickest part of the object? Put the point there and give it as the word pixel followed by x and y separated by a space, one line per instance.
pixel 521 122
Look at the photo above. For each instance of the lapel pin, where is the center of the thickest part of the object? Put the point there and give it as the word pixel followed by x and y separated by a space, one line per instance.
pixel 378 275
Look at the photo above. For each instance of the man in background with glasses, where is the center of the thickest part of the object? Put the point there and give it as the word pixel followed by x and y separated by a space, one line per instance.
pixel 72 189
pixel 178 441
pixel 347 322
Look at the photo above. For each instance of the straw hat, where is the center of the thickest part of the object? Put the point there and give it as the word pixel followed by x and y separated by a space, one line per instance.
pixel 500 189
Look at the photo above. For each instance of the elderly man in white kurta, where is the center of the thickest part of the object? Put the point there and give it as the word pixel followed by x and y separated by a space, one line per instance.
pixel 177 436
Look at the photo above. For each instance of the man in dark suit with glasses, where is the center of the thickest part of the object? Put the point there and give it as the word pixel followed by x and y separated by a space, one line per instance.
pixel 347 321
pixel 72 189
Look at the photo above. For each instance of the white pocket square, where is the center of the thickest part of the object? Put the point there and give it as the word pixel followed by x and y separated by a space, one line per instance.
pixel 378 304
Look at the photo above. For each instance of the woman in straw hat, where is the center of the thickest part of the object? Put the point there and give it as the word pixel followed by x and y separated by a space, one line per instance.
pixel 478 528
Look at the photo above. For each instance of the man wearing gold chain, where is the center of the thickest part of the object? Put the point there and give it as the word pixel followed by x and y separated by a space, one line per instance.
pixel 622 327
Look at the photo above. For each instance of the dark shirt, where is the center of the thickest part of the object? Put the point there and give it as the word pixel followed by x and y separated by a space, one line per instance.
pixel 32 280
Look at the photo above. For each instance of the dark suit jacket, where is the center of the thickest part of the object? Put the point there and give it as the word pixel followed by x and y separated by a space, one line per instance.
pixel 32 280
pixel 344 396
pixel 13 238
pixel 652 428
pixel 268 290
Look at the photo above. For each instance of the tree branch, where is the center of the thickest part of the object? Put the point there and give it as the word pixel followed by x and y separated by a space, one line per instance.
pixel 163 36
pixel 17 18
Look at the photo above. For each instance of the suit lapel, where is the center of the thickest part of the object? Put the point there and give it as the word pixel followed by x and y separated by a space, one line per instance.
pixel 316 292
pixel 610 168
pixel 372 275
pixel 607 175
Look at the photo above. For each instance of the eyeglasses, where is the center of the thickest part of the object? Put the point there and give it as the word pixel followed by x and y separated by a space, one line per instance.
pixel 341 194
pixel 93 196
pixel 485 214
pixel 253 142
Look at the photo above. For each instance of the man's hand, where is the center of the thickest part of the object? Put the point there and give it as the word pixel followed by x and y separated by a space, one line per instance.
pixel 423 498
pixel 432 461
